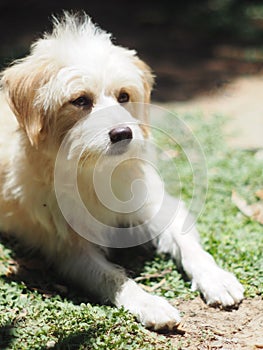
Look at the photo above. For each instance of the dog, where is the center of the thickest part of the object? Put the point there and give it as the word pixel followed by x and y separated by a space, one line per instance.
pixel 59 91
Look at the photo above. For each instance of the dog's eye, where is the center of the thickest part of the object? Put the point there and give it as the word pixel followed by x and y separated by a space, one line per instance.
pixel 83 101
pixel 123 97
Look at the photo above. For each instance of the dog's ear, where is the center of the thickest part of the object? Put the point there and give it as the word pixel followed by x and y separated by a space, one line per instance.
pixel 147 77
pixel 21 83
pixel 148 81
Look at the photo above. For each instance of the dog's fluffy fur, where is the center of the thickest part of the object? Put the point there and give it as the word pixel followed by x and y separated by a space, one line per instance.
pixel 39 105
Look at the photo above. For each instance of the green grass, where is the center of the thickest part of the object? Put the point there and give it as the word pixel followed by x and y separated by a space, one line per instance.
pixel 33 319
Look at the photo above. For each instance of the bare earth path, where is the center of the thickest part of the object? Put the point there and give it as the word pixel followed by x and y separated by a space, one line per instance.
pixel 209 328
pixel 242 102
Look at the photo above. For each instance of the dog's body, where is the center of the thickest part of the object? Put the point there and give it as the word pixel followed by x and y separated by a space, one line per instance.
pixel 70 75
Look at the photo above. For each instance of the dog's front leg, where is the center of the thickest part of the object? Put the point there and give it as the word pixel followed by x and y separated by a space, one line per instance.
pixel 218 286
pixel 90 269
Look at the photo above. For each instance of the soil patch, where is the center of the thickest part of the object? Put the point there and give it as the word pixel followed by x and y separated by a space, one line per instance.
pixel 210 328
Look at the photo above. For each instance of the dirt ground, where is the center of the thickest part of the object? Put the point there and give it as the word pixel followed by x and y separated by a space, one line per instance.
pixel 209 328
pixel 241 101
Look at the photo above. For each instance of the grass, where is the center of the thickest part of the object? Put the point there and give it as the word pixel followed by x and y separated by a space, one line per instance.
pixel 34 319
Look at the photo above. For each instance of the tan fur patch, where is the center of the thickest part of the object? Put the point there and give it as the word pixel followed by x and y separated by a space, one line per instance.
pixel 148 78
pixel 21 83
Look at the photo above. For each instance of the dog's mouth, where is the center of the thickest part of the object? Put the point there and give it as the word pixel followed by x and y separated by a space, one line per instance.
pixel 120 138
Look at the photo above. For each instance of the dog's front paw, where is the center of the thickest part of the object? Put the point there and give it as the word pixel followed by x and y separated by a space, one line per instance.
pixel 219 287
pixel 152 311
pixel 156 313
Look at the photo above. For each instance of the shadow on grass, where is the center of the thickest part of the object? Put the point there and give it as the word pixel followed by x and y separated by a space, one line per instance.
pixel 6 336
pixel 74 340
pixel 71 342
pixel 31 268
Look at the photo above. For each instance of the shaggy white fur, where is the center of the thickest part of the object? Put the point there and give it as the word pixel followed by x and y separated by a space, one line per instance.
pixel 59 90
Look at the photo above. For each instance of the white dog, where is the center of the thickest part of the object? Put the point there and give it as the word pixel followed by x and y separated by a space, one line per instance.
pixel 69 77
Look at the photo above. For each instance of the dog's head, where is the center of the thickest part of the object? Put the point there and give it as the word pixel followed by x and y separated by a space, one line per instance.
pixel 70 77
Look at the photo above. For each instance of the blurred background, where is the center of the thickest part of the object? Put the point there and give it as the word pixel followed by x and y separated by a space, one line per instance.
pixel 194 47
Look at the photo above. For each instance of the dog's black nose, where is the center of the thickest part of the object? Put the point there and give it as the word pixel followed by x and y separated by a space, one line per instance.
pixel 120 133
